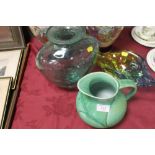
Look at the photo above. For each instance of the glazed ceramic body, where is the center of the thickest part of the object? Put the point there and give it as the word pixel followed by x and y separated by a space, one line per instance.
pixel 106 35
pixel 147 33
pixel 144 35
pixel 100 102
pixel 68 55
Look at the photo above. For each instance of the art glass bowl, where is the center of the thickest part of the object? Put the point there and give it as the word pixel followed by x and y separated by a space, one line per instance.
pixel 126 65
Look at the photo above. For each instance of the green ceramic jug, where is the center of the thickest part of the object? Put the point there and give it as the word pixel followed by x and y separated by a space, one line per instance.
pixel 100 101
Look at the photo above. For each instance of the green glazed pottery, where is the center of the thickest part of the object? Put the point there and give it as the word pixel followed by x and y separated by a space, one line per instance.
pixel 100 101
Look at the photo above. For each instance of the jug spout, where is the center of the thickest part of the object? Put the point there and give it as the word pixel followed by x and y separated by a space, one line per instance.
pixel 98 86
pixel 83 86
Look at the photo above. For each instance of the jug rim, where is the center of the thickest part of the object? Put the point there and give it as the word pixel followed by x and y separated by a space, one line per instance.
pixel 95 97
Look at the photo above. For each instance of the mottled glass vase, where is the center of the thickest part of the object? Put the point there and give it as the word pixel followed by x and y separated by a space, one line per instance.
pixel 106 35
pixel 67 56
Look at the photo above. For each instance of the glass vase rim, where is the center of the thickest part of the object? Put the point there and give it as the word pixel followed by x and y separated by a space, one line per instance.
pixel 79 33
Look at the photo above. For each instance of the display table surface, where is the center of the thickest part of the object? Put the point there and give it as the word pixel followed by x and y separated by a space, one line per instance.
pixel 42 104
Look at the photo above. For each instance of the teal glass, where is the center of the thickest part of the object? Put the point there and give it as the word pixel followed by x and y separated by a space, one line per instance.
pixel 67 56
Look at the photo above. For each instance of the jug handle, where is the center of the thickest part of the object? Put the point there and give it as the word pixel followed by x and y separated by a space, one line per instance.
pixel 127 83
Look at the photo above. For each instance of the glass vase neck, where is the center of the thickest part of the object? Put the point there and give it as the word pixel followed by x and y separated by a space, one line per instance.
pixel 65 35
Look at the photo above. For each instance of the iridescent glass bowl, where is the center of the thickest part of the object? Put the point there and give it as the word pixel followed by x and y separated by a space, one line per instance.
pixel 126 65
pixel 106 35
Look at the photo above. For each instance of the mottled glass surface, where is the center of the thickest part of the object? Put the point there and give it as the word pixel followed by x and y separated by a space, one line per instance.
pixel 68 56
pixel 106 35
pixel 126 65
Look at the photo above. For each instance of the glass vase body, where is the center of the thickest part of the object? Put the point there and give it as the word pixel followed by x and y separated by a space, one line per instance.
pixel 106 35
pixel 67 56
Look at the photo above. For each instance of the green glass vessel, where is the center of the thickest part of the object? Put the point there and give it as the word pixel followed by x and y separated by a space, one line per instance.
pixel 67 56
pixel 100 101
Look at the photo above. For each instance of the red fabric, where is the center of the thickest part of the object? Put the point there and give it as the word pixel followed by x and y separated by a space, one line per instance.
pixel 41 104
